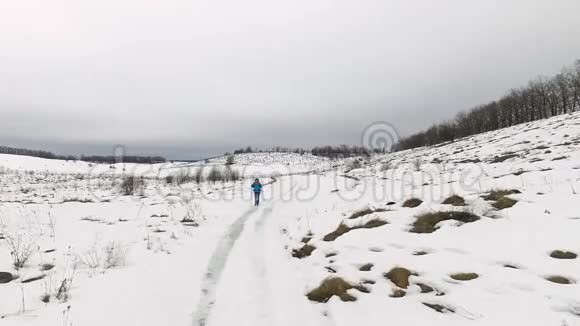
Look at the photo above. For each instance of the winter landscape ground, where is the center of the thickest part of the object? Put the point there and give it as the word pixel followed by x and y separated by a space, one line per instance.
pixel 481 231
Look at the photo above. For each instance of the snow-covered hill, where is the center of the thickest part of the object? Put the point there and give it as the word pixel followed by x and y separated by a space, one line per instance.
pixel 482 231
pixel 284 162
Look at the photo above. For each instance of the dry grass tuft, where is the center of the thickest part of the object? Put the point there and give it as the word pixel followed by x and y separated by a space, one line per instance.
pixel 46 267
pixel 398 293
pixel 6 277
pixel 455 201
pixel 366 267
pixel 131 185
pixel 561 254
pixel 360 213
pixel 558 279
pixel 365 212
pixel 412 203
pixel 426 223
pixel 340 230
pixel 464 276
pixel 504 202
pixel 499 193
pixel 439 308
pixel 303 252
pixel 370 224
pixel 399 276
pixel 425 288
pixel 343 228
pixel 33 279
pixel 334 286
pixel 506 156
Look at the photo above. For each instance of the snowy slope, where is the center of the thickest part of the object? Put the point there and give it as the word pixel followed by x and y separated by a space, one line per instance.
pixel 235 264
pixel 276 163
pixel 509 248
pixel 297 161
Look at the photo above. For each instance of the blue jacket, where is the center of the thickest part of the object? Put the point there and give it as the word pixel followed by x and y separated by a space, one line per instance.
pixel 257 187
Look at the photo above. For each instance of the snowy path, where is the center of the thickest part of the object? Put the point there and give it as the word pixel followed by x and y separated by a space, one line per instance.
pixel 250 280
pixel 216 266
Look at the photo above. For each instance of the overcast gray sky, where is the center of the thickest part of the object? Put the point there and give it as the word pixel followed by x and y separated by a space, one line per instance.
pixel 191 78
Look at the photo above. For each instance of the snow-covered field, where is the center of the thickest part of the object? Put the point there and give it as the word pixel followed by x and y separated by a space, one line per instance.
pixel 201 254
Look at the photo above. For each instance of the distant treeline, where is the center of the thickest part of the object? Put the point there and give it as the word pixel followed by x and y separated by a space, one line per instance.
pixel 91 158
pixel 342 151
pixel 34 153
pixel 124 159
pixel 333 152
pixel 277 149
pixel 541 98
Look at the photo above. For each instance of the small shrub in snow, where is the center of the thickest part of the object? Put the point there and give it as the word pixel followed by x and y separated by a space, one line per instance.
pixel 45 298
pixel 417 163
pixel 385 166
pixel 231 175
pixel 215 175
pixel 114 255
pixel 353 165
pixel 193 211
pixel 230 160
pixel 62 293
pixel 169 179
pixel 183 176
pixel 198 176
pixel 131 184
pixel 91 258
pixel 110 256
pixel 63 289
pixel 21 249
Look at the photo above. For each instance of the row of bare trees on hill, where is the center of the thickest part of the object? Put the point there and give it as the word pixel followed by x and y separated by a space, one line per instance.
pixel 91 158
pixel 541 98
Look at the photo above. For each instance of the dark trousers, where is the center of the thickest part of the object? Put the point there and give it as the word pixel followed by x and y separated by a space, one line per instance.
pixel 256 198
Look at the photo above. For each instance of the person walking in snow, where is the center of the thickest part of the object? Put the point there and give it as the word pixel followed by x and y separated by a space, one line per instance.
pixel 257 189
